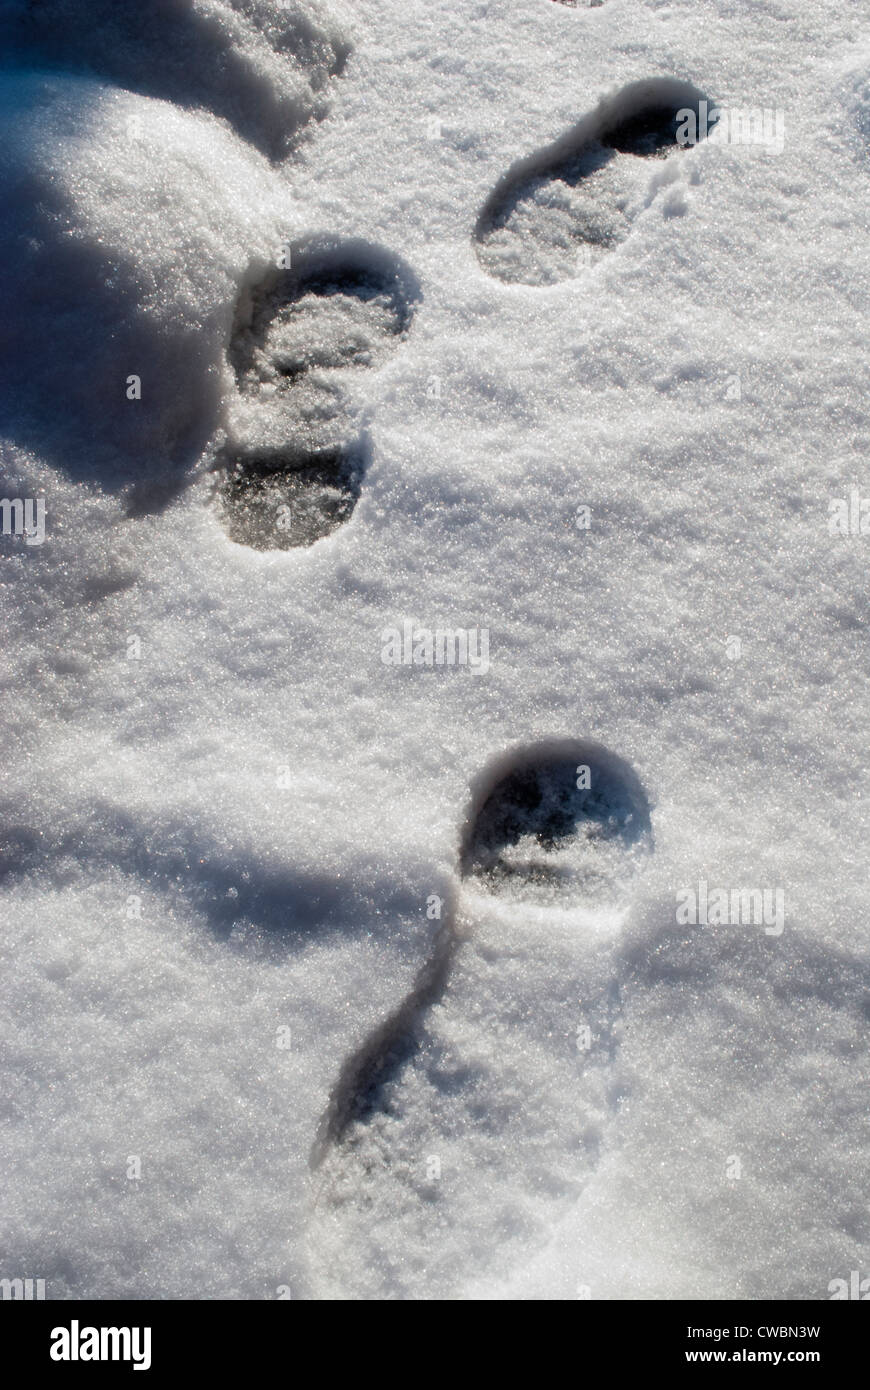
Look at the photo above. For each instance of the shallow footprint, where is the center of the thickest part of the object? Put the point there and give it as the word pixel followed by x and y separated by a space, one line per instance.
pixel 293 472
pixel 556 211
pixel 486 1107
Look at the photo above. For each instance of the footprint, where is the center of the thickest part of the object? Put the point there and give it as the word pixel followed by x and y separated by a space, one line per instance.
pixel 300 338
pixel 557 211
pixel 479 1112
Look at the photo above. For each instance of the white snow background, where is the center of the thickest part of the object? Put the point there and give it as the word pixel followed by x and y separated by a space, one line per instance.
pixel 147 178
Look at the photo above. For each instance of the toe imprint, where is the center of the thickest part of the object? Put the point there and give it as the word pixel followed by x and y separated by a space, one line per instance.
pixel 563 823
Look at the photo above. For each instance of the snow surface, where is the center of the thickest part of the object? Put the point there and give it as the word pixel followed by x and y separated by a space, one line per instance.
pixel 243 828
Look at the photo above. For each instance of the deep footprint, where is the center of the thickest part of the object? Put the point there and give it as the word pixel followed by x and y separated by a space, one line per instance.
pixel 281 501
pixel 561 825
pixel 300 338
pixel 493 1102
pixel 557 211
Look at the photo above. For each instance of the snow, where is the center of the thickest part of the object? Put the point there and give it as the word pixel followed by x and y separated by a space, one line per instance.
pixel 225 815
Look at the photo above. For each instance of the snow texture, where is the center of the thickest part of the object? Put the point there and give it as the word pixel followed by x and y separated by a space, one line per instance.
pixel 318 321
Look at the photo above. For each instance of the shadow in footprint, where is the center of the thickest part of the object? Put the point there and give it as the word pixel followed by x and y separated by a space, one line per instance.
pixel 557 824
pixel 545 216
pixel 358 1093
pixel 285 500
pixel 300 336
